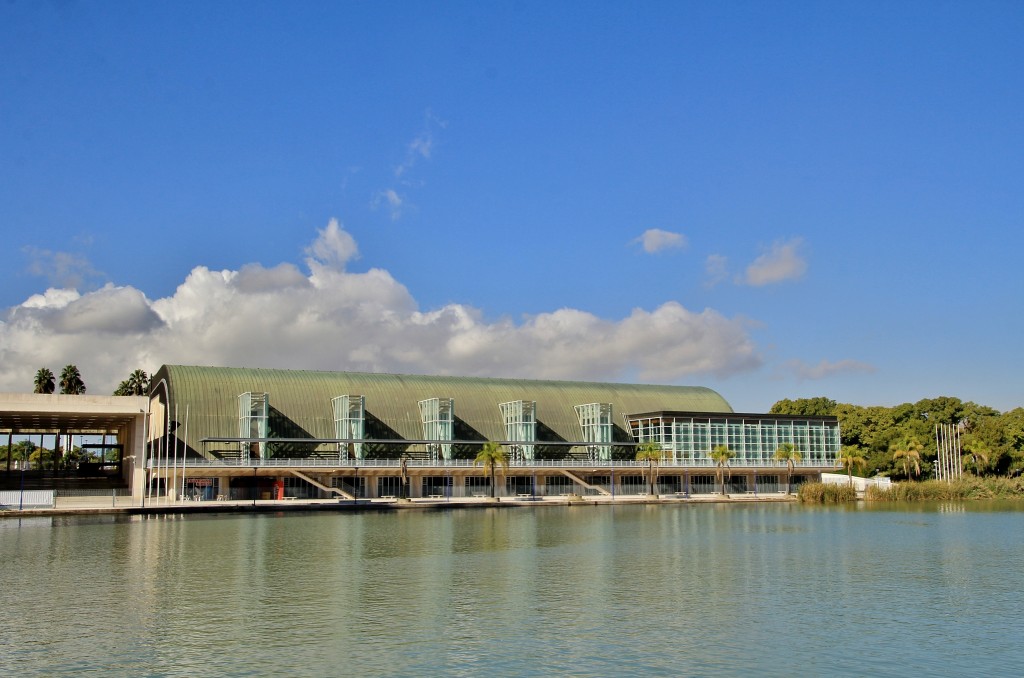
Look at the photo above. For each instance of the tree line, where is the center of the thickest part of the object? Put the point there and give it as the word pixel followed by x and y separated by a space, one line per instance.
pixel 899 441
pixel 71 382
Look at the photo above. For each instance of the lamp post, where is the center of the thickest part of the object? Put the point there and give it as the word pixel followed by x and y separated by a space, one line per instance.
pixel 21 499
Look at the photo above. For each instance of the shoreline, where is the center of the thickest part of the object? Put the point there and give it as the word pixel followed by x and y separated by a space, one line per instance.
pixel 77 507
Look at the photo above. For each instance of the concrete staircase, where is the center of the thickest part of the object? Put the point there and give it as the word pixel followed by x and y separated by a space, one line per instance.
pixel 325 488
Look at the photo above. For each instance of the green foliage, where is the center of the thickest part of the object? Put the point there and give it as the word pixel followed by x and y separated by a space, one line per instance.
pixel 975 453
pixel 490 456
pixel 19 451
pixel 71 381
pixel 44 381
pixel 908 455
pixel 825 493
pixel 993 442
pixel 969 487
pixel 136 384
pixel 811 407
pixel 721 456
pixel 652 454
pixel 850 459
pixel 788 453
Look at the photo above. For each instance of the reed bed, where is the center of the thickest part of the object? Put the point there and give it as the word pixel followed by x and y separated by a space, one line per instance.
pixel 970 487
pixel 825 493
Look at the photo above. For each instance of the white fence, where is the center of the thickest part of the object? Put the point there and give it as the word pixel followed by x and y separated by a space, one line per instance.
pixel 14 499
pixel 859 484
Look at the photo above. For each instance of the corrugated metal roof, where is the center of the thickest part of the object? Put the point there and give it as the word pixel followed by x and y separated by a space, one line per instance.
pixel 210 395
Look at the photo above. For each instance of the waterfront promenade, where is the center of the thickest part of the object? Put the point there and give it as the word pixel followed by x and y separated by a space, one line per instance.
pixel 126 505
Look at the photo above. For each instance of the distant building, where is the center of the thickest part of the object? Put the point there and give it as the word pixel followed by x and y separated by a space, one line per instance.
pixel 235 433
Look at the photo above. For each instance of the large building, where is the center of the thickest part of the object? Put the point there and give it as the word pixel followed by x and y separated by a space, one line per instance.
pixel 236 433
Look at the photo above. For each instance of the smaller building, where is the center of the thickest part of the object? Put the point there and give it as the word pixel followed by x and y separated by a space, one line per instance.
pixel 118 422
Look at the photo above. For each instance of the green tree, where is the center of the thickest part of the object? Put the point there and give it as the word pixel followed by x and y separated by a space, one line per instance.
pixel 850 457
pixel 490 456
pixel 652 454
pixel 807 407
pixel 44 382
pixel 788 453
pixel 1009 428
pixel 908 455
pixel 71 381
pixel 136 384
pixel 721 456
pixel 976 454
pixel 19 452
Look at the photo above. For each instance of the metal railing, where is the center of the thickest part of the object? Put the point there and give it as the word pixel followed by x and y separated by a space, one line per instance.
pixel 319 462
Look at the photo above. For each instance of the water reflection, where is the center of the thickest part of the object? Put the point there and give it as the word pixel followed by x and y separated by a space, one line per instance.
pixel 589 591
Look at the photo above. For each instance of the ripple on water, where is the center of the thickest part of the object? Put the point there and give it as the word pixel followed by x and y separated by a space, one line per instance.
pixel 685 590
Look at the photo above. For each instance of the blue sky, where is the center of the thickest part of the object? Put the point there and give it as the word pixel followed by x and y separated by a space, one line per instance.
pixel 771 199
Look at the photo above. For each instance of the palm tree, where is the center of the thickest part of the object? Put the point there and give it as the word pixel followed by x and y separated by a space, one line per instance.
pixel 136 384
pixel 977 453
pixel 908 455
pixel 788 453
pixel 44 382
pixel 403 468
pixel 71 381
pixel 721 456
pixel 490 455
pixel 849 458
pixel 652 454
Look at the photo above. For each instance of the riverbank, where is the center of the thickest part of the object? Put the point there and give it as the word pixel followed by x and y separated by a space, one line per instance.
pixel 73 506
pixel 965 489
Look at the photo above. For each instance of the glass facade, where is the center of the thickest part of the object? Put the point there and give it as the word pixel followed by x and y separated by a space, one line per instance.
pixel 438 417
pixel 688 438
pixel 520 426
pixel 596 424
pixel 253 417
pixel 350 423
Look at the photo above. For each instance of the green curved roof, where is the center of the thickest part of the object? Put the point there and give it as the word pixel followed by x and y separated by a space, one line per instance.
pixel 210 395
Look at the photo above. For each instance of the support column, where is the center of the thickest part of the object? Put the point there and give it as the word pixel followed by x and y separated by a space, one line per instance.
pixel 137 475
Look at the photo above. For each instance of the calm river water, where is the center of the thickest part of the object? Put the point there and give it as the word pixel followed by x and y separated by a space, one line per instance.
pixel 708 590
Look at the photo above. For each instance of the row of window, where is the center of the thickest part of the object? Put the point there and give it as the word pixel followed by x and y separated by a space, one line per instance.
pixel 449 486
pixel 753 440
pixel 683 438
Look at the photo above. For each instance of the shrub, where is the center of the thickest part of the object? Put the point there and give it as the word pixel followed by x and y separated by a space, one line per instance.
pixel 968 487
pixel 825 493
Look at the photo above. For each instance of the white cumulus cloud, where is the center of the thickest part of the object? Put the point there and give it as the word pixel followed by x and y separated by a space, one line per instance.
pixel 333 246
pixel 329 318
pixel 61 269
pixel 782 262
pixel 656 240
